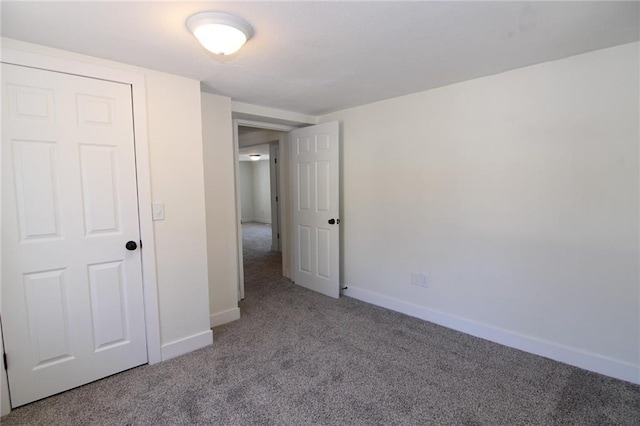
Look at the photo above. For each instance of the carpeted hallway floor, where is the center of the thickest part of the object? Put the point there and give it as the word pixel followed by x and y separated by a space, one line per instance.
pixel 296 357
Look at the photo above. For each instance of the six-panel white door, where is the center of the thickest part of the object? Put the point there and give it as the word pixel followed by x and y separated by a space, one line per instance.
pixel 315 158
pixel 72 301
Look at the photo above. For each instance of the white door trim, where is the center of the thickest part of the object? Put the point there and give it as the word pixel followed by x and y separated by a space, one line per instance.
pixel 137 82
pixel 236 180
pixel 274 148
pixel 286 212
pixel 265 126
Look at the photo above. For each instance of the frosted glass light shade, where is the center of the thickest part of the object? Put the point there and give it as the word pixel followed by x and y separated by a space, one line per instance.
pixel 254 157
pixel 220 33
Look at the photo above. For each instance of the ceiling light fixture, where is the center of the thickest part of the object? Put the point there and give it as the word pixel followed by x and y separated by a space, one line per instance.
pixel 254 157
pixel 220 33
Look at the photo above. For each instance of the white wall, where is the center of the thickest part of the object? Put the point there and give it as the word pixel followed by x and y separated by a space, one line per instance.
pixel 518 195
pixel 177 179
pixel 255 191
pixel 176 163
pixel 220 192
pixel 261 191
pixel 245 174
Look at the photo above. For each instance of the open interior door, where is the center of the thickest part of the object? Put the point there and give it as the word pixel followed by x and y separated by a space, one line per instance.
pixel 315 180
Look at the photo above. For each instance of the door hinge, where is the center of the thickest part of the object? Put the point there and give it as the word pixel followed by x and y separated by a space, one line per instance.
pixel 276 198
pixel 4 360
pixel 275 160
pixel 140 243
pixel 278 235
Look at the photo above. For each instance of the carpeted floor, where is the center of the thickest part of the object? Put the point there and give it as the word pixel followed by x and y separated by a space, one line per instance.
pixel 296 357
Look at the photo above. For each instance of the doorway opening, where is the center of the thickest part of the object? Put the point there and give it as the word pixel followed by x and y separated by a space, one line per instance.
pixel 308 234
pixel 258 179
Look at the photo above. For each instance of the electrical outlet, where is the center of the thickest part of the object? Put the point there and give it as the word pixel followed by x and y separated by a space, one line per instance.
pixel 415 278
pixel 424 280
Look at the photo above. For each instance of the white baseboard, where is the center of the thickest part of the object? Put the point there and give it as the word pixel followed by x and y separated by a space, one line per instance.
pixel 186 345
pixel 224 317
pixel 572 356
pixel 256 220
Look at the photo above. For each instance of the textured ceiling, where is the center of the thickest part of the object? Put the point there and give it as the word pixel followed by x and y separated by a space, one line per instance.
pixel 318 57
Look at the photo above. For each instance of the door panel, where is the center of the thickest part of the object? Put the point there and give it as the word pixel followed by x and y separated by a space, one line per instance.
pixel 323 192
pixel 48 317
pixel 315 188
pixel 99 188
pixel 304 249
pixel 30 103
pixel 108 305
pixel 36 189
pixel 323 240
pixel 72 301
pixel 304 186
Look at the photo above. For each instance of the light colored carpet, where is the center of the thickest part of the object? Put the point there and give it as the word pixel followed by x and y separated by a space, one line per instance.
pixel 296 357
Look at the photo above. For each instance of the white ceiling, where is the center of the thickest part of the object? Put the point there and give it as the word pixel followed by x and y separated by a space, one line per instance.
pixel 318 57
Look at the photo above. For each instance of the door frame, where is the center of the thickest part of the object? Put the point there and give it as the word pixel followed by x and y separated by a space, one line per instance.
pixel 138 95
pixel 274 177
pixel 284 217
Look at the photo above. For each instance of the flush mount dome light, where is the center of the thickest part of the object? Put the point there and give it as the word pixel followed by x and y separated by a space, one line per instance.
pixel 219 33
pixel 254 157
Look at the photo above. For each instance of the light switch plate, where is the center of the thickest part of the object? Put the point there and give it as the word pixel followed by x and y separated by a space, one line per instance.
pixel 158 211
pixel 415 278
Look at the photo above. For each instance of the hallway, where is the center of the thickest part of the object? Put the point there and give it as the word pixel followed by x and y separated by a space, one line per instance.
pixel 262 266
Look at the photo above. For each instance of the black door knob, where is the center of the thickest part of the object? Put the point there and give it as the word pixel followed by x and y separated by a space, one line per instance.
pixel 131 245
pixel 332 221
